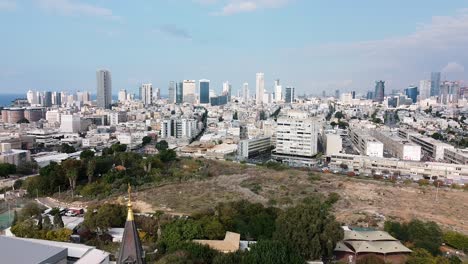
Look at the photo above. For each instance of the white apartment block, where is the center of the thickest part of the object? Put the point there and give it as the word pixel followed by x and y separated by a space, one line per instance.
pixel 116 118
pixel 365 143
pixel 397 147
pixel 179 128
pixel 333 144
pixel 251 147
pixel 457 156
pixel 70 124
pixel 364 164
pixel 296 137
pixel 434 148
pixel 259 88
pixel 53 116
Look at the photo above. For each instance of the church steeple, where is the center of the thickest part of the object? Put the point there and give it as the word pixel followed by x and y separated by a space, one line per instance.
pixel 131 251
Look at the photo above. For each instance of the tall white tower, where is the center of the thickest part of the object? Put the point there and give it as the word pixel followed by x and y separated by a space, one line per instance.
pixel 245 92
pixel 260 88
pixel 189 87
pixel 424 89
pixel 278 91
pixel 122 95
pixel 146 93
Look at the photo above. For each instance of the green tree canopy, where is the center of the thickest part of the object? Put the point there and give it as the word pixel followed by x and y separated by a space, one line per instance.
pixel 105 217
pixel 311 228
pixel 162 145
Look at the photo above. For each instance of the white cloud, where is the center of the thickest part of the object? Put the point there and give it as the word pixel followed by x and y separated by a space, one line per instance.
pixel 242 6
pixel 7 5
pixel 453 67
pixel 76 8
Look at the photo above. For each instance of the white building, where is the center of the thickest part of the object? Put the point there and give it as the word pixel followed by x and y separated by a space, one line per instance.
pixel 146 93
pixel 70 124
pixel 434 148
pixel 397 147
pixel 116 118
pixel 278 91
pixel 424 89
pixel 296 138
pixel 333 144
pixel 366 144
pixel 346 98
pixel 259 88
pixel 251 147
pixel 53 116
pixel 122 95
pixel 32 97
pixel 245 92
pixel 457 156
pixel 189 87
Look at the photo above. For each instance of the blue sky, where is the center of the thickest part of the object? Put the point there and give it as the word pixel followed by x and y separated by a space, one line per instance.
pixel 312 45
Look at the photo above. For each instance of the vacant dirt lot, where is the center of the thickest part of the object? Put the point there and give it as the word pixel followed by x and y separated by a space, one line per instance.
pixel 363 202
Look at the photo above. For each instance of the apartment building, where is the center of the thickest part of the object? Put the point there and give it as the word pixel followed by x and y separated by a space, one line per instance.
pixel 398 147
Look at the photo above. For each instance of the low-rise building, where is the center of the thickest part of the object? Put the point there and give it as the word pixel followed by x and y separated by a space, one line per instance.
pixel 365 143
pixel 457 156
pixel 251 147
pixel 13 156
pixel 398 147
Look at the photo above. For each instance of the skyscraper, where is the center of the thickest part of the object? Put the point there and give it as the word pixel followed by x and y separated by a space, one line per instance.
pixel 435 83
pixel 289 95
pixel 146 93
pixel 424 89
pixel 245 92
pixel 47 99
pixel 412 93
pixel 337 94
pixel 227 90
pixel 379 93
pixel 204 91
pixel 104 89
pixel 122 95
pixel 56 98
pixel 260 88
pixel 171 93
pixel 278 91
pixel 189 91
pixel 179 93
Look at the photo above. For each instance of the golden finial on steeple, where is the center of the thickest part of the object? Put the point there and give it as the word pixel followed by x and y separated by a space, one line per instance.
pixel 129 204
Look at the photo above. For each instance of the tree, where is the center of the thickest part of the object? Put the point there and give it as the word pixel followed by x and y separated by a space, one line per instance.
pixel 273 252
pixel 235 116
pixel 146 140
pixel 339 115
pixel 17 184
pixel 90 169
pixel 167 155
pixel 39 221
pixel 6 169
pixel 72 167
pixel 162 145
pixel 105 216
pixel 26 168
pixel 437 136
pixel 420 256
pixel 323 230
pixel 456 240
pixel 47 225
pixel 86 154
pixel 31 209
pixel 426 235
pixel 65 148
pixel 23 120
pixel 58 222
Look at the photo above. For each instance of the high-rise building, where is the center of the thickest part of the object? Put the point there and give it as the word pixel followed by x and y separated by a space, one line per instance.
pixel 171 93
pixel 189 91
pixel 353 94
pixel 179 93
pixel 412 93
pixel 86 97
pixel 260 88
pixel 296 137
pixel 449 92
pixel 32 97
pixel 424 89
pixel 324 93
pixel 289 95
pixel 435 83
pixel 278 91
pixel 104 89
pixel 56 98
pixel 47 99
pixel 157 93
pixel 370 95
pixel 245 92
pixel 204 91
pixel 227 90
pixel 379 93
pixel 337 94
pixel 146 94
pixel 122 95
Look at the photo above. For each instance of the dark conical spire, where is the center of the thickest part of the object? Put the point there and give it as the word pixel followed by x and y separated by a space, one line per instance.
pixel 131 251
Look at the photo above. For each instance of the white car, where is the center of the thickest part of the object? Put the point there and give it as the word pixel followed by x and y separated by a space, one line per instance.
pixel 70 213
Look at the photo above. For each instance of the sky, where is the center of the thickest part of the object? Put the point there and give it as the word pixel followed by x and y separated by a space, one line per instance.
pixel 312 45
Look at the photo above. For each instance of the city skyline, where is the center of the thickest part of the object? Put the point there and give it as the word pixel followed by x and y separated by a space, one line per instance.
pixel 361 53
